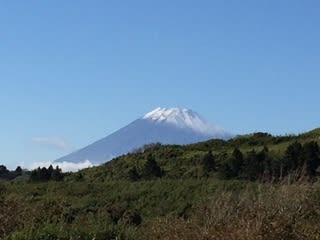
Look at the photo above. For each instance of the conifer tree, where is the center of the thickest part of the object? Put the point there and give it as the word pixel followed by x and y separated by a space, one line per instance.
pixel 151 168
pixel 208 163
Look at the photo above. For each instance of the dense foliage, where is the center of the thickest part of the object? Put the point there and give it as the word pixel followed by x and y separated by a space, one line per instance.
pixel 251 187
pixel 46 174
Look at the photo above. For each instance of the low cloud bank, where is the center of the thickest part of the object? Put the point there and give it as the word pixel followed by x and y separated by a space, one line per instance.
pixel 65 166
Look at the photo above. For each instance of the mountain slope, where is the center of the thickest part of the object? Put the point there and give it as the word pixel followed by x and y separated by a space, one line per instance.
pixel 163 125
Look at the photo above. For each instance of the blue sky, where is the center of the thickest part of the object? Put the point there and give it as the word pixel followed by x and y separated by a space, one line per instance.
pixel 72 72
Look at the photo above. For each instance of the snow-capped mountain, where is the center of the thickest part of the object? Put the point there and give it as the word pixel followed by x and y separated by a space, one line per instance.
pixel 163 125
pixel 185 119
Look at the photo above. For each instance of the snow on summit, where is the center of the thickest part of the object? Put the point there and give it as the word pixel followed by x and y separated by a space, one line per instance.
pixel 183 118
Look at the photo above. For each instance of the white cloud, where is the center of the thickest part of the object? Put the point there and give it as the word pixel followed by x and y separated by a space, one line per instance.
pixel 53 143
pixel 65 166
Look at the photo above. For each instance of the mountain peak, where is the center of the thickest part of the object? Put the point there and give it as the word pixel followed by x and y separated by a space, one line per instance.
pixel 183 118
pixel 160 114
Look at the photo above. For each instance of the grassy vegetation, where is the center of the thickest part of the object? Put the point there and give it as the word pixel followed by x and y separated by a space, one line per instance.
pixel 169 196
pixel 262 212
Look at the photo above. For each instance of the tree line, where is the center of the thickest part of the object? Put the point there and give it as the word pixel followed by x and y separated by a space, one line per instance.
pixel 46 174
pixel 299 160
pixel 6 174
pixel 37 175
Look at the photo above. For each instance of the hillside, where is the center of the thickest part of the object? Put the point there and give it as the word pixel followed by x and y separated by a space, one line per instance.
pixel 176 192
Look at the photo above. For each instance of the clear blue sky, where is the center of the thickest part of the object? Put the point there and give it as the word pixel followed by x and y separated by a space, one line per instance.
pixel 72 72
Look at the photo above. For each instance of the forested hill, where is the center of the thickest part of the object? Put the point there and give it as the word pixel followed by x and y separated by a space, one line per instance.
pixel 258 156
